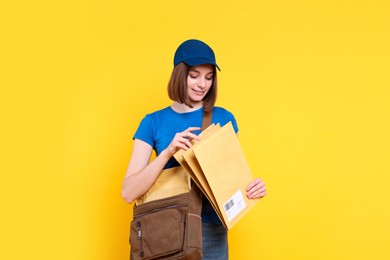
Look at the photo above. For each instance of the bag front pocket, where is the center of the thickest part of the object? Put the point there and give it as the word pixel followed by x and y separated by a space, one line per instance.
pixel 157 234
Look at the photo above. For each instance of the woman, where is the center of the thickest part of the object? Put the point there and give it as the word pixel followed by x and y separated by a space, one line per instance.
pixel 193 88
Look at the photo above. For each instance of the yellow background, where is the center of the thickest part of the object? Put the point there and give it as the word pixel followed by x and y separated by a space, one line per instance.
pixel 308 82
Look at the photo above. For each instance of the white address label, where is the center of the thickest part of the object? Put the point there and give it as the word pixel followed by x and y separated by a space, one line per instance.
pixel 234 205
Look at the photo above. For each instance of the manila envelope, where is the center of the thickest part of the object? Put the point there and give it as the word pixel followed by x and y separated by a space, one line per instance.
pixel 227 172
pixel 192 162
pixel 179 154
pixel 188 161
pixel 170 182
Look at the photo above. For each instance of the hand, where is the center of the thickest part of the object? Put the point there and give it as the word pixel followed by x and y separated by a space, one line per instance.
pixel 182 140
pixel 256 189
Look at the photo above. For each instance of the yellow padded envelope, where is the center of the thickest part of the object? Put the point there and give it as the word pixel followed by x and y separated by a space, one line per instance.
pixel 227 172
pixel 170 182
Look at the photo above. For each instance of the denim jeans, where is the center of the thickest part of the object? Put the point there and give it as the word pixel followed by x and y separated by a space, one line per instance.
pixel 215 242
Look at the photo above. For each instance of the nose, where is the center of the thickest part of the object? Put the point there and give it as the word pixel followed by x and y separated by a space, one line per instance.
pixel 201 83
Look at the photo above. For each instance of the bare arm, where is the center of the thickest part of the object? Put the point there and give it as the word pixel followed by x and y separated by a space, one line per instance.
pixel 140 175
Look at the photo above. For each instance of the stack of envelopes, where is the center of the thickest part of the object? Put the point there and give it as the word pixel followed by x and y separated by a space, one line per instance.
pixel 218 166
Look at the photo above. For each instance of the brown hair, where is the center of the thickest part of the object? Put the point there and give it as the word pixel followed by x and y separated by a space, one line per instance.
pixel 177 87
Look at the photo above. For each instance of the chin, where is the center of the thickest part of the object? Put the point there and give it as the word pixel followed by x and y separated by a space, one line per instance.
pixel 197 99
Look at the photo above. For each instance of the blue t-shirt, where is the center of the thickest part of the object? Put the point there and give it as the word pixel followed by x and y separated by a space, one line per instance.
pixel 159 128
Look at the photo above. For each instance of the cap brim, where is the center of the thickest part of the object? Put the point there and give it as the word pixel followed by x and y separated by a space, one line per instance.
pixel 198 61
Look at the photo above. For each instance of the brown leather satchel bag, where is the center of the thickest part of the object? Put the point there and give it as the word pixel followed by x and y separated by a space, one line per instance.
pixel 169 228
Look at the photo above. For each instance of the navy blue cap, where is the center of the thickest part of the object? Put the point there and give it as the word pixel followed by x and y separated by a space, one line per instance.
pixel 193 53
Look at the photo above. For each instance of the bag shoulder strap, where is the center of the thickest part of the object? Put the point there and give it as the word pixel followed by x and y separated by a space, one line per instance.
pixel 207 116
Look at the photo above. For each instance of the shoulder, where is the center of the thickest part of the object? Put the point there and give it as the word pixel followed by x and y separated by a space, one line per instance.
pixel 220 111
pixel 223 116
pixel 149 126
pixel 152 120
pixel 157 115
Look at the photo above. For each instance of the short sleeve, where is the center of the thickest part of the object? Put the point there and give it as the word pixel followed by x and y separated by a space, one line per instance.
pixel 230 117
pixel 145 131
pixel 234 123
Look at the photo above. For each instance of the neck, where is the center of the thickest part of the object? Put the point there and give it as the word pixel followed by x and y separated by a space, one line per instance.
pixel 183 108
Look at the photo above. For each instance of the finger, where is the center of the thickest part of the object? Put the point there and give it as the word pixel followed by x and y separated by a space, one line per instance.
pixel 250 195
pixel 180 138
pixel 260 185
pixel 192 128
pixel 180 145
pixel 186 142
pixel 253 184
pixel 256 190
pixel 261 194
pixel 189 136
pixel 251 191
pixel 262 189
pixel 257 194
pixel 175 146
pixel 188 133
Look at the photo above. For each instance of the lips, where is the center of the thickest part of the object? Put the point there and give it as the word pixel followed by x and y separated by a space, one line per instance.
pixel 199 92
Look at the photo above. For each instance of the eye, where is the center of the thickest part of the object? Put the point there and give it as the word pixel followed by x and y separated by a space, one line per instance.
pixel 193 76
pixel 209 76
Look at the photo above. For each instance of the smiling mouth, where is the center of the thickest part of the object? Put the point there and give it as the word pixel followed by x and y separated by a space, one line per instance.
pixel 199 92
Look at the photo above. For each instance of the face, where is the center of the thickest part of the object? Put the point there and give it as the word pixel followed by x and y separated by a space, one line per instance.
pixel 199 81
